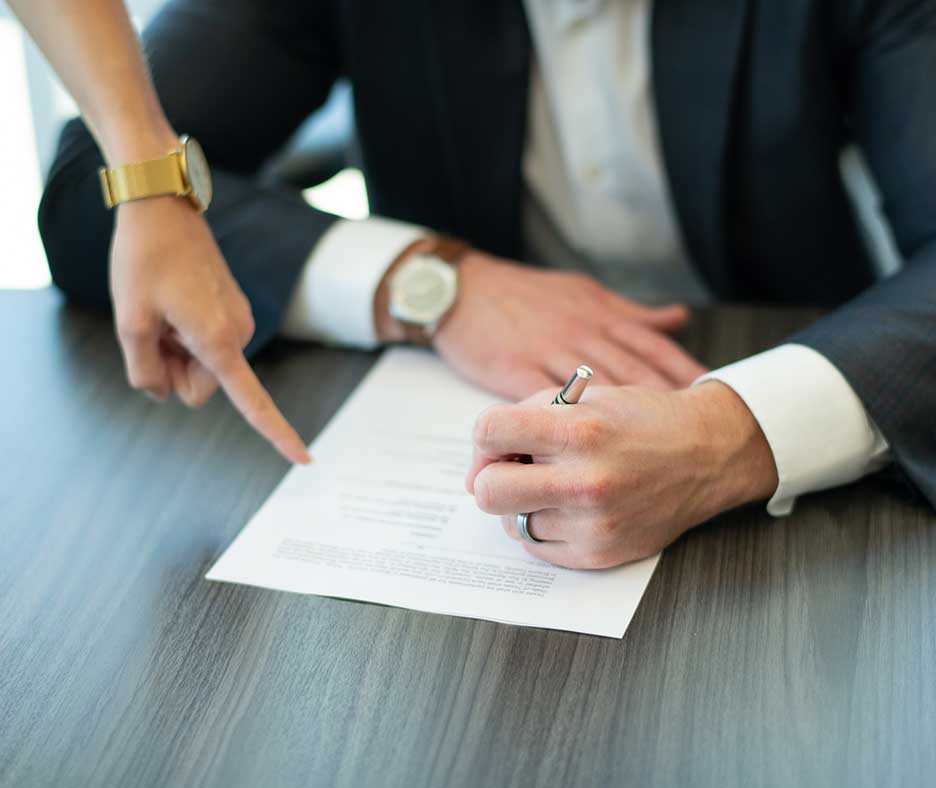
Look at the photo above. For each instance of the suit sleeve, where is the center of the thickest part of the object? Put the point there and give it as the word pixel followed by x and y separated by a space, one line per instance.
pixel 884 342
pixel 240 76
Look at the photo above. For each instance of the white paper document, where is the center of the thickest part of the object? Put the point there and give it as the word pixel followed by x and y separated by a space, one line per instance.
pixel 382 515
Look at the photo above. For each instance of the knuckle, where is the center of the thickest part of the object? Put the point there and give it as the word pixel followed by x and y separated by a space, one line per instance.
pixel 485 493
pixel 604 488
pixel 605 527
pixel 219 336
pixel 483 430
pixel 595 490
pixel 134 326
pixel 487 426
pixel 245 318
pixel 250 325
pixel 589 433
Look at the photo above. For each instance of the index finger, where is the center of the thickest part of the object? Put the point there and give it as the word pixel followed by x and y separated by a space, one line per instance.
pixel 521 429
pixel 247 394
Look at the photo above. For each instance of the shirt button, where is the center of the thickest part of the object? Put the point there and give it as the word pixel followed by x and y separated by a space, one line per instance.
pixel 591 172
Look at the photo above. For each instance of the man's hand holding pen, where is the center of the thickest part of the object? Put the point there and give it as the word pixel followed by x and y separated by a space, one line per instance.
pixel 622 474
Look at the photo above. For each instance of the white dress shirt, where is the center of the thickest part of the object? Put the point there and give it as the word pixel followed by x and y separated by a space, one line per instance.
pixel 593 167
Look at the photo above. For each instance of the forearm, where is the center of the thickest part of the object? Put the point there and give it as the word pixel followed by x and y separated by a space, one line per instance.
pixel 93 48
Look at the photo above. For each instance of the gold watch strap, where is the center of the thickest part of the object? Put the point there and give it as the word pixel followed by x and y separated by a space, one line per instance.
pixel 143 179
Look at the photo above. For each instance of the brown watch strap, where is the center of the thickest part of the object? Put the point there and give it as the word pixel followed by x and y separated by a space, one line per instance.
pixel 451 250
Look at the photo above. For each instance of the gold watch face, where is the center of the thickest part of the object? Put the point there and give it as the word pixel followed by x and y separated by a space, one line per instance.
pixel 197 173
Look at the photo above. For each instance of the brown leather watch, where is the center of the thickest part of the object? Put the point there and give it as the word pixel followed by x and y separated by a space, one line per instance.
pixel 423 286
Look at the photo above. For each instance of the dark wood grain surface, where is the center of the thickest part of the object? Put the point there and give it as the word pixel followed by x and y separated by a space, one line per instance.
pixel 765 652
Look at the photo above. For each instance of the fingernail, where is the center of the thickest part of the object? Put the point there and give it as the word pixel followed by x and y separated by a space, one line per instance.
pixel 183 390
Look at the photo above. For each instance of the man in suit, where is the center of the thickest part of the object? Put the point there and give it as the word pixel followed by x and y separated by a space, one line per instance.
pixel 669 149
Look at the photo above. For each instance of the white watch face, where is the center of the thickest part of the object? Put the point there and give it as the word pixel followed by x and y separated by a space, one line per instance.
pixel 422 290
pixel 197 172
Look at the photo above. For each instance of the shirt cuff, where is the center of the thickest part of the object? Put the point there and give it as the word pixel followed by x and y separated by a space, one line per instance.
pixel 334 299
pixel 818 430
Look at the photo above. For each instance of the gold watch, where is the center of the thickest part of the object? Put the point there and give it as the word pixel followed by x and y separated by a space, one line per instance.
pixel 183 172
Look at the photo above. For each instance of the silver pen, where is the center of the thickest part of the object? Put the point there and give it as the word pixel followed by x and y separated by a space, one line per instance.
pixel 573 390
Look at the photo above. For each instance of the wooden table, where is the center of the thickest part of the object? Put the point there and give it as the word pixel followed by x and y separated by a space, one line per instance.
pixel 765 652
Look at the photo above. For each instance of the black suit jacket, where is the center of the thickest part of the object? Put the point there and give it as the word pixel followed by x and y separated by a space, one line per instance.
pixel 756 99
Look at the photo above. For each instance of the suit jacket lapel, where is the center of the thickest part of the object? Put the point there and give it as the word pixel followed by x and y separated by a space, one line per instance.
pixel 480 54
pixel 696 49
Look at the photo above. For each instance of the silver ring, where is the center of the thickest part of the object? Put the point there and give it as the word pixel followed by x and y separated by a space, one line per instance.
pixel 523 524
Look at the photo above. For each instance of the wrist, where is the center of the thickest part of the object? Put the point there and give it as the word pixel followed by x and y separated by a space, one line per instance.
pixel 138 139
pixel 472 265
pixel 740 459
pixel 155 209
